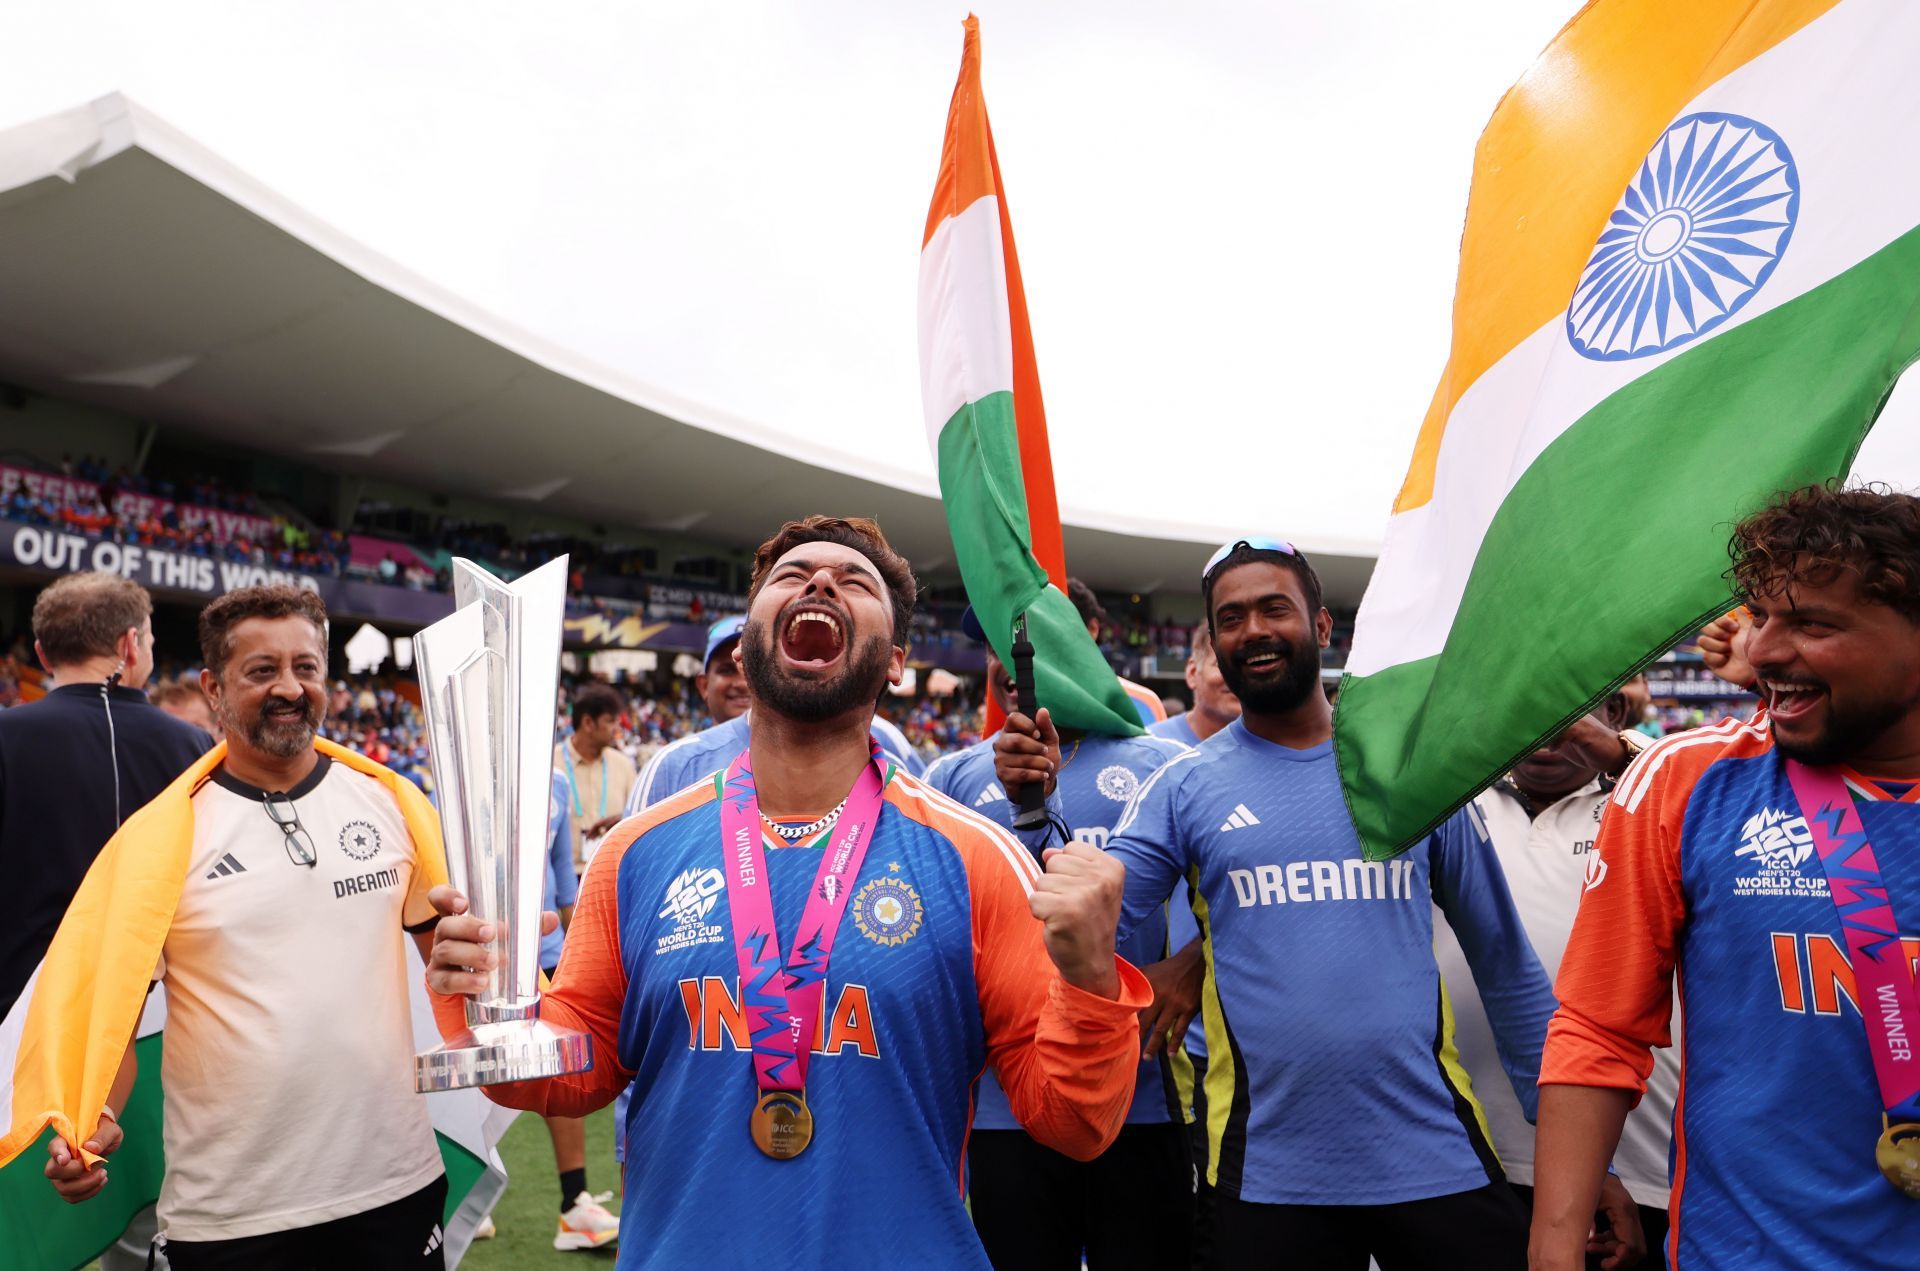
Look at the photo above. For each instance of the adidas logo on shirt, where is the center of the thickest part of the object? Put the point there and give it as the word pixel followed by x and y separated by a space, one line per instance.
pixel 226 866
pixel 992 794
pixel 1241 817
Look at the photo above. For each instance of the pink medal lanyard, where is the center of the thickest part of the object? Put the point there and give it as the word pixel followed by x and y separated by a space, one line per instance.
pixel 782 998
pixel 1882 975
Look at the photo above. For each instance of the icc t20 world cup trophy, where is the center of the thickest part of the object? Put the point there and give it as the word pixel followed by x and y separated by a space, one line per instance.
pixel 489 673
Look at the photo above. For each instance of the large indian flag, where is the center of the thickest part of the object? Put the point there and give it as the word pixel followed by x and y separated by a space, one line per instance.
pixel 988 427
pixel 1689 277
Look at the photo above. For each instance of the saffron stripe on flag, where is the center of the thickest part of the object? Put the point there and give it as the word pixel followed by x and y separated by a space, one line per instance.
pixel 1749 293
pixel 1614 76
pixel 1840 101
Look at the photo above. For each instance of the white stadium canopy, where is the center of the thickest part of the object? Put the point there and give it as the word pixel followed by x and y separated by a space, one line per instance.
pixel 147 275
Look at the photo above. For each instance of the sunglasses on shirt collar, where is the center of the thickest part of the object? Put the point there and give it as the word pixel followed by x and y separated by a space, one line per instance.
pixel 294 836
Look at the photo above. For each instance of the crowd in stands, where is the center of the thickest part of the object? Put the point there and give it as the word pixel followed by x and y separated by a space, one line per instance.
pixel 496 545
pixel 371 715
pixel 202 492
pixel 412 575
pixel 936 725
pixel 175 519
pixel 610 579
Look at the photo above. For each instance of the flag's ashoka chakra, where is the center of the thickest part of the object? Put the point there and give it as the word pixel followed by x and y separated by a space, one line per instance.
pixel 1700 228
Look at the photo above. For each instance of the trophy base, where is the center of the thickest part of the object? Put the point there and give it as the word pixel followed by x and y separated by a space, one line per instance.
pixel 489 1054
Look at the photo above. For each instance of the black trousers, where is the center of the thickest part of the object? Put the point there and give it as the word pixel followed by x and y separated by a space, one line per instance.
pixel 1484 1229
pixel 402 1235
pixel 1653 1223
pixel 1198 1144
pixel 1037 1210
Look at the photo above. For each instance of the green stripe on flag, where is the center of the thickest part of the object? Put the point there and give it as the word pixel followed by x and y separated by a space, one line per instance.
pixel 464 1169
pixel 38 1229
pixel 986 505
pixel 41 1230
pixel 1612 545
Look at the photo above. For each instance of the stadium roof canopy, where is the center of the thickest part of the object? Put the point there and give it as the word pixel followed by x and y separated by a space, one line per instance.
pixel 146 275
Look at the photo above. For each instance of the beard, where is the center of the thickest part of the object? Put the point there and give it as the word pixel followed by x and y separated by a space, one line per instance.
pixel 1278 696
pixel 1848 730
pixel 862 678
pixel 283 736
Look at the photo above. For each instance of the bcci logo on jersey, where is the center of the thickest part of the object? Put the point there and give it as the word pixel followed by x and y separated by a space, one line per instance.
pixel 1775 846
pixel 888 911
pixel 1117 783
pixel 690 898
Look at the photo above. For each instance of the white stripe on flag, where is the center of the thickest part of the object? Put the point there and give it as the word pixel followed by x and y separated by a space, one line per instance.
pixel 11 1029
pixel 966 331
pixel 1843 97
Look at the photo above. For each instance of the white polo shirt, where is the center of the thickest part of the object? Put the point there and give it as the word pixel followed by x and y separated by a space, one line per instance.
pixel 288 1063
pixel 1545 862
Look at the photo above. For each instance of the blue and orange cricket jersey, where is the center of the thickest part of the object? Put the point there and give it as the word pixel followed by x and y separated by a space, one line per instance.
pixel 938 974
pixel 1707 872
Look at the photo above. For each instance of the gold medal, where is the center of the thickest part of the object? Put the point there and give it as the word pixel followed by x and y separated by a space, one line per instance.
pixel 782 1124
pixel 1898 1156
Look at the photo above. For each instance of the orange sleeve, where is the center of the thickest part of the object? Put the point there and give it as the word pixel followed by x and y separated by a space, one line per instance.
pixel 1146 700
pixel 586 995
pixel 1066 1058
pixel 1616 978
pixel 429 855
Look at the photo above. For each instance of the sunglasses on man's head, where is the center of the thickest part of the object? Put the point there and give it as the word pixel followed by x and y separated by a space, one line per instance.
pixel 1255 544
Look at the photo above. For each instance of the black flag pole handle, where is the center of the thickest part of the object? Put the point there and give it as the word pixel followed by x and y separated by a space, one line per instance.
pixel 1032 812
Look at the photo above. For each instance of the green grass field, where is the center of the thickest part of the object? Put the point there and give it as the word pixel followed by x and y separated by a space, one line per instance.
pixel 527 1212
pixel 526 1215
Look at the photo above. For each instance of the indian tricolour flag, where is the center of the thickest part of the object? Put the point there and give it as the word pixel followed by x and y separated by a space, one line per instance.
pixel 40 1230
pixel 988 428
pixel 62 1040
pixel 1689 277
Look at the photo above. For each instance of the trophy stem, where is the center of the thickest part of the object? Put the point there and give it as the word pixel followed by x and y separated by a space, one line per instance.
pixel 479 1013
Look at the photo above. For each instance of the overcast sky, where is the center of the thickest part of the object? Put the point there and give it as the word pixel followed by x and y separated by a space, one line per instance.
pixel 1238 221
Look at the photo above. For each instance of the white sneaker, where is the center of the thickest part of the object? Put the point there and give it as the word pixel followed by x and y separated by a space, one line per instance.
pixel 587 1225
pixel 486 1229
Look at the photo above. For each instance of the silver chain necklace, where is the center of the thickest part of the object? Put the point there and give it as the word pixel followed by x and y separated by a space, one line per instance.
pixel 794 833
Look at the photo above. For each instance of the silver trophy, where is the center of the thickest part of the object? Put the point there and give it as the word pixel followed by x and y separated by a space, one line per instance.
pixel 489 673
